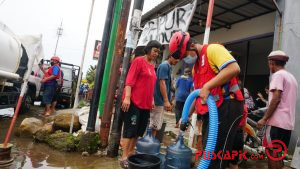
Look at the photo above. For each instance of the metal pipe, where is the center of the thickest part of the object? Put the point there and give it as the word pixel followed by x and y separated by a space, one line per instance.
pixel 277 7
pixel 205 41
pixel 105 120
pixel 279 26
pixel 23 91
pixel 250 150
pixel 109 57
pixel 81 65
pixel 278 45
pixel 13 121
pixel 251 122
pixel 133 32
pixel 246 64
pixel 112 86
pixel 100 67
pixel 208 21
pixel 9 75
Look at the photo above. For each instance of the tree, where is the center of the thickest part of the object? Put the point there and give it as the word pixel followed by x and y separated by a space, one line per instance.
pixel 91 74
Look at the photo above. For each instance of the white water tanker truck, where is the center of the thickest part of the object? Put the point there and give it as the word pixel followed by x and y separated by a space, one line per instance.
pixel 19 58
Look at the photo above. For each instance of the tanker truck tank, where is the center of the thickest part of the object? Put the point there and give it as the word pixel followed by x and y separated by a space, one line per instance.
pixel 19 58
pixel 10 54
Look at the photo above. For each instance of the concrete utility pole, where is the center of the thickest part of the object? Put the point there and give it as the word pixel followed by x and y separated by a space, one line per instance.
pixel 81 65
pixel 59 34
pixel 132 38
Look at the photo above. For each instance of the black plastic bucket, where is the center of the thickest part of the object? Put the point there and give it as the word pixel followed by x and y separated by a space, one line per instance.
pixel 144 161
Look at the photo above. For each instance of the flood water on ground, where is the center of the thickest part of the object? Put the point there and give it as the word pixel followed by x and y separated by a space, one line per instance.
pixel 38 155
pixel 29 155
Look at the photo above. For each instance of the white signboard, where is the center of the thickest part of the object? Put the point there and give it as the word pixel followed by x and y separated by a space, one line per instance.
pixel 162 28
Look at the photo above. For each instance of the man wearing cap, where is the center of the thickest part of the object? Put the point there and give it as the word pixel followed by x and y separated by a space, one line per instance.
pixel 215 72
pixel 50 83
pixel 280 116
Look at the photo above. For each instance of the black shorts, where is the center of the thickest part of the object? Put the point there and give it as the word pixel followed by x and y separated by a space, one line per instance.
pixel 178 110
pixel 275 133
pixel 135 121
pixel 230 113
pixel 238 145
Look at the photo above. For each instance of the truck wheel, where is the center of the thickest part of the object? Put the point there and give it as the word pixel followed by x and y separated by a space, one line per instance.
pixel 25 106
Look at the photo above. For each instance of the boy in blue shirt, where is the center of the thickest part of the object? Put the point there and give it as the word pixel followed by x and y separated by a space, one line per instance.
pixel 184 85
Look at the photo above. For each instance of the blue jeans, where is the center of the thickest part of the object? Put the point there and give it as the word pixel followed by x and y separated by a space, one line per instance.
pixel 49 91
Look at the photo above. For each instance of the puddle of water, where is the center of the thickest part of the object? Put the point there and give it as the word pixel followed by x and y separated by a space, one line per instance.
pixel 37 155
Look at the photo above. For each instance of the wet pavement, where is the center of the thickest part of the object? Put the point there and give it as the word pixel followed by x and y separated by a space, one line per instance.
pixel 38 155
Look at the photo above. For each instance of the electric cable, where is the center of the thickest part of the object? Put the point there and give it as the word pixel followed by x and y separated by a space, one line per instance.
pixel 227 138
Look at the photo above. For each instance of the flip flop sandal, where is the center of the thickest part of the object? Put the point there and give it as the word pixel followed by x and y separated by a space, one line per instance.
pixel 124 164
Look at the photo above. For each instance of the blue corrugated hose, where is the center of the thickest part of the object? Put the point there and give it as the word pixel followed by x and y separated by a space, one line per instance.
pixel 213 124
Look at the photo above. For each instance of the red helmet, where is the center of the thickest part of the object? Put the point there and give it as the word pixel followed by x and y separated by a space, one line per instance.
pixel 178 44
pixel 55 58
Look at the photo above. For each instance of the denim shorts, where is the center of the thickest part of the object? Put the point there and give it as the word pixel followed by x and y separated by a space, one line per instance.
pixel 48 94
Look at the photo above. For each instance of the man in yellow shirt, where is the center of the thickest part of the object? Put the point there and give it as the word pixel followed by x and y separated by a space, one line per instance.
pixel 215 72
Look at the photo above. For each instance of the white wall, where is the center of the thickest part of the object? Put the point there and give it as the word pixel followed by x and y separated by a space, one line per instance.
pixel 290 40
pixel 256 26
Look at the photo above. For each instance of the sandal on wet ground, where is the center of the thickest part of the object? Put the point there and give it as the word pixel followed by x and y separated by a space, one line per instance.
pixel 124 164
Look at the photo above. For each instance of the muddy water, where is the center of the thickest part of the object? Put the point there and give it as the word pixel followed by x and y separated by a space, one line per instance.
pixel 36 155
pixel 33 155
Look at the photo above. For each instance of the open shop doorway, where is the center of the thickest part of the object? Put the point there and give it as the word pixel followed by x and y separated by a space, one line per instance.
pixel 251 54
